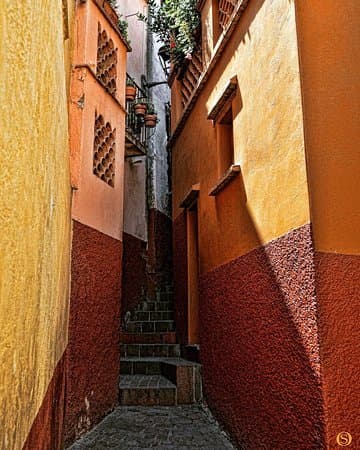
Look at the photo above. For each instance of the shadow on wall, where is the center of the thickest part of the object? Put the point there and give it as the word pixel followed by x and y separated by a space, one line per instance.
pixel 259 342
pixel 258 325
pixel 259 332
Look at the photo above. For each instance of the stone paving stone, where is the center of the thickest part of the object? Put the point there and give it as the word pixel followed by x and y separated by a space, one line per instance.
pixel 158 427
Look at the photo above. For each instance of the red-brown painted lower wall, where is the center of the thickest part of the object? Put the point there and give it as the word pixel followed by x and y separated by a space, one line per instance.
pixel 134 272
pixel 160 250
pixel 93 357
pixel 47 430
pixel 259 346
pixel 180 277
pixel 338 293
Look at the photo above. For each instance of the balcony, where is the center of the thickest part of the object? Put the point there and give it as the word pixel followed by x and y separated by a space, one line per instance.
pixel 226 10
pixel 190 77
pixel 136 133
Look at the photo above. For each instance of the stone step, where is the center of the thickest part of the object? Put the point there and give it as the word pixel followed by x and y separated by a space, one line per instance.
pixel 147 390
pixel 132 365
pixel 186 375
pixel 153 315
pixel 150 350
pixel 158 326
pixel 155 306
pixel 148 338
pixel 165 296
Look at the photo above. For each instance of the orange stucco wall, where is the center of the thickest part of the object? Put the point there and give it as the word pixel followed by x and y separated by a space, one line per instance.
pixel 329 42
pixel 95 203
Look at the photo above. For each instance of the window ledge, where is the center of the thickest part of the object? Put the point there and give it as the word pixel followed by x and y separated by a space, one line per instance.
pixel 229 175
pixel 191 196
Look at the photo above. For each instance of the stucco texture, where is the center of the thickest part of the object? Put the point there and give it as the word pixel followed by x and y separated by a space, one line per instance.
pixel 93 353
pixel 270 196
pixel 35 209
pixel 95 203
pixel 338 296
pixel 47 431
pixel 259 346
pixel 133 273
pixel 329 66
pixel 181 277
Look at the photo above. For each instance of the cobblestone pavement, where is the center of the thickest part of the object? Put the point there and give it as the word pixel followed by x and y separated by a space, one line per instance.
pixel 159 427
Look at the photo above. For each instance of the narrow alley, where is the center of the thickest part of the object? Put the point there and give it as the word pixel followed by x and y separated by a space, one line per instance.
pixel 167 427
pixel 179 217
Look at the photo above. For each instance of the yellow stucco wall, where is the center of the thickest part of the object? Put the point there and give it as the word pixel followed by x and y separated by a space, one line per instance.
pixel 271 196
pixel 35 208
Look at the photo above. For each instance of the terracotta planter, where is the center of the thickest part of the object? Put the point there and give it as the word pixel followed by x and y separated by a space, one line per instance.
pixel 150 120
pixel 140 109
pixel 130 93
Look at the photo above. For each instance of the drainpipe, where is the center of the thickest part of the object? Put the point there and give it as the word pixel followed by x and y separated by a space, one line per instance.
pixel 150 189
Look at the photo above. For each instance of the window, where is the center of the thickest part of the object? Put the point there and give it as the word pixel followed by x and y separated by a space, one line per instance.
pixel 225 141
pixel 222 115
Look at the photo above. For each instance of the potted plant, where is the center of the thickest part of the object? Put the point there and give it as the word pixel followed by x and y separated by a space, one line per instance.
pixel 131 90
pixel 174 22
pixel 150 116
pixel 123 27
pixel 140 107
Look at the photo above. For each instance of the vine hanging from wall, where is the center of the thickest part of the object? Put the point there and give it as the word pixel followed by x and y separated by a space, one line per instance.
pixel 176 23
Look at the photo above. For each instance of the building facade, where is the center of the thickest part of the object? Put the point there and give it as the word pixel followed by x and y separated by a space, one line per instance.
pixel 147 215
pixel 264 132
pixel 97 138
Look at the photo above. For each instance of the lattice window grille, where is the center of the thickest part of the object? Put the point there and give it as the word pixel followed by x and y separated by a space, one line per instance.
pixel 106 68
pixel 104 150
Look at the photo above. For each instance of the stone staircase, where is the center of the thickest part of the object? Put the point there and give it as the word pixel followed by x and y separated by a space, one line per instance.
pixel 152 371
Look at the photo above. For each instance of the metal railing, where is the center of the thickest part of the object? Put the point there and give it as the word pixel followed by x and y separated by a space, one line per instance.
pixel 136 132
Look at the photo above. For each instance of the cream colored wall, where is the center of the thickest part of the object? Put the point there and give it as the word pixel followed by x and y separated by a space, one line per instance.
pixel 135 175
pixel 271 197
pixel 35 209
pixel 137 34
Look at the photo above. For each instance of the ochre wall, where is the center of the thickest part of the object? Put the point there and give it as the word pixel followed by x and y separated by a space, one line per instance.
pixel 330 66
pixel 271 196
pixel 35 209
pixel 258 328
pixel 329 53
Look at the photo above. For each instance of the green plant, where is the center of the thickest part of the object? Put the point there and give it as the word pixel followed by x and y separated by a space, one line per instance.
pixel 175 23
pixel 122 22
pixel 123 28
pixel 141 101
pixel 151 109
pixel 130 82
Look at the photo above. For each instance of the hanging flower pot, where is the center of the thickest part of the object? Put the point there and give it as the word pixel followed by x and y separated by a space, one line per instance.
pixel 150 116
pixel 150 120
pixel 130 92
pixel 140 108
